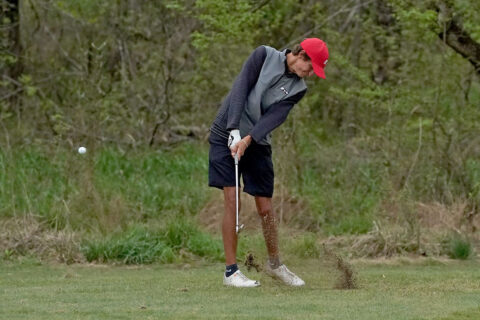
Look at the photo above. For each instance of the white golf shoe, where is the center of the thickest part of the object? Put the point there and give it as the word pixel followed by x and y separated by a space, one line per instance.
pixel 238 279
pixel 287 276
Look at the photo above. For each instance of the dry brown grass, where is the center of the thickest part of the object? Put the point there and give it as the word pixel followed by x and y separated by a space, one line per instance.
pixel 426 234
pixel 387 241
pixel 27 236
pixel 419 229
pixel 457 217
pixel 391 241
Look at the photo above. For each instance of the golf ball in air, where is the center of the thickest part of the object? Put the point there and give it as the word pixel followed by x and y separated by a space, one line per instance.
pixel 82 150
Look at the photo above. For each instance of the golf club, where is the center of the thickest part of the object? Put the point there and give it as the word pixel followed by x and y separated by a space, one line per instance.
pixel 237 227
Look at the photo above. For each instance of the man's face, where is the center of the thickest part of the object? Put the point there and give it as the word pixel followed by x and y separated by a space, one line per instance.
pixel 303 68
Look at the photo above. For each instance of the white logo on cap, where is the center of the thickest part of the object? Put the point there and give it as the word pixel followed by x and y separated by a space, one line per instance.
pixel 325 63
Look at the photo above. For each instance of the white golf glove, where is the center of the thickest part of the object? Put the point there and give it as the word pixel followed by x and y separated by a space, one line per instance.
pixel 234 138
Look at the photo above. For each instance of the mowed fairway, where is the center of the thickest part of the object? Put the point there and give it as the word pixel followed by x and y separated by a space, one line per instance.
pixel 398 290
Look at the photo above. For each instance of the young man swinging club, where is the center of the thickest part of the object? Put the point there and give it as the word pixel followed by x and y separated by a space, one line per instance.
pixel 269 85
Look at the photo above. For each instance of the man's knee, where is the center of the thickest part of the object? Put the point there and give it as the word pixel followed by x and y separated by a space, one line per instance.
pixel 264 212
pixel 264 207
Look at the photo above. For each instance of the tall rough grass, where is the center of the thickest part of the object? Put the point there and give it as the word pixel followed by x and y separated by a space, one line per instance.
pixel 109 204
pixel 104 190
pixel 343 186
pixel 137 205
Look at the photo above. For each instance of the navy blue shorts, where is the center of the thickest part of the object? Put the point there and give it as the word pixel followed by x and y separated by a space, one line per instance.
pixel 255 167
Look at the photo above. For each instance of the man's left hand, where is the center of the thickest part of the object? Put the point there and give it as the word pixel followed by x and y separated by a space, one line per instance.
pixel 241 147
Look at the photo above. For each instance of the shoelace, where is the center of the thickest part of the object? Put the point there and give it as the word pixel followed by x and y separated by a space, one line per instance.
pixel 292 275
pixel 241 275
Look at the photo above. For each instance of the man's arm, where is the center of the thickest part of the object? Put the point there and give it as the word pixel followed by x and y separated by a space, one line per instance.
pixel 275 116
pixel 243 84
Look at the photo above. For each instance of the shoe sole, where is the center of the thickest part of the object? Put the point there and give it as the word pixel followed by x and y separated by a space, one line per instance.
pixel 274 276
pixel 231 285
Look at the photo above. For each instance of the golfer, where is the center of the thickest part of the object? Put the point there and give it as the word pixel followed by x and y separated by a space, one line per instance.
pixel 268 86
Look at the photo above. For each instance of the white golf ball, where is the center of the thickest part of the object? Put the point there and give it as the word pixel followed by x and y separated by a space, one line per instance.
pixel 82 150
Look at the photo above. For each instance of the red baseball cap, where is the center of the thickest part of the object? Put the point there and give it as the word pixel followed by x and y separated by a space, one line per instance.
pixel 317 50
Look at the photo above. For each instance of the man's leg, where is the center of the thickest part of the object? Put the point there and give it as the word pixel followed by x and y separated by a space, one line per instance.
pixel 269 226
pixel 221 173
pixel 233 276
pixel 274 267
pixel 228 226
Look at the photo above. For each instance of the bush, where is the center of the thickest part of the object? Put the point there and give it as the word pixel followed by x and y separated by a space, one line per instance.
pixel 134 247
pixel 459 247
pixel 140 245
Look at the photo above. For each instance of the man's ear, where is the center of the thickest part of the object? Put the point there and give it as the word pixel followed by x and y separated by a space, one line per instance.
pixel 304 55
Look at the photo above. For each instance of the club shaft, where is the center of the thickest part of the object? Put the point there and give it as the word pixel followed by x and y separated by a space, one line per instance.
pixel 236 193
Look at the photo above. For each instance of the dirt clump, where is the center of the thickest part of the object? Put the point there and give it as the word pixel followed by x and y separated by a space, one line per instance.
pixel 346 275
pixel 250 262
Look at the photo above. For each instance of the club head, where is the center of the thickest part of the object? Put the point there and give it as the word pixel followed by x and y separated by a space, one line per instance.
pixel 239 228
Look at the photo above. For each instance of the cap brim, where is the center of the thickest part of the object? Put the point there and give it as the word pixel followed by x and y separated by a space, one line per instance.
pixel 318 70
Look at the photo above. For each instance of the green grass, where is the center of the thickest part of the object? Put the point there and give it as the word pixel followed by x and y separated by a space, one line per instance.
pixel 410 290
pixel 105 189
pixel 343 193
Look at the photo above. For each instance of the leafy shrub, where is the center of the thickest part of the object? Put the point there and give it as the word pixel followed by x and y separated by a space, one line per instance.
pixel 140 245
pixel 459 247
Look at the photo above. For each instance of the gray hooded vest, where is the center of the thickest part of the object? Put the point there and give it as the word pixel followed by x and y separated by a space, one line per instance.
pixel 271 87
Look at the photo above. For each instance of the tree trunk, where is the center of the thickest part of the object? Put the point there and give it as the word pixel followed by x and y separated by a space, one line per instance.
pixel 457 38
pixel 11 50
pixel 11 10
pixel 385 19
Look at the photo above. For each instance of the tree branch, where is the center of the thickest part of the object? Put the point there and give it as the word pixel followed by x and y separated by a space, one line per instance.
pixel 343 9
pixel 458 39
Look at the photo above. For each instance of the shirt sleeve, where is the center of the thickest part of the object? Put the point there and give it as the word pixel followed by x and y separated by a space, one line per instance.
pixel 275 116
pixel 245 81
